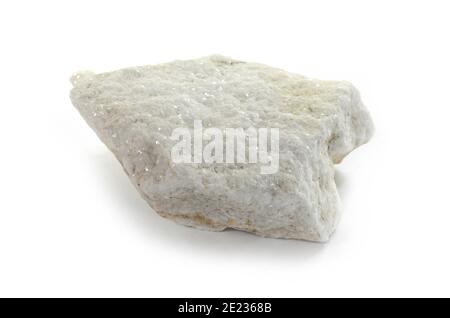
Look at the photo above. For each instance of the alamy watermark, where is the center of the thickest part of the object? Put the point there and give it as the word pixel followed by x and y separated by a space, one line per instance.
pixel 230 145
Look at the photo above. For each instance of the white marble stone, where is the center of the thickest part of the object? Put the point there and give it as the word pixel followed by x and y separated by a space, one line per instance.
pixel 135 110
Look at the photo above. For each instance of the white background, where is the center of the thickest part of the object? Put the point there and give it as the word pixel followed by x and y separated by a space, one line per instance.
pixel 71 224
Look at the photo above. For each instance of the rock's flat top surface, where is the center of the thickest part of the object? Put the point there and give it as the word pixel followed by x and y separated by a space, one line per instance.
pixel 134 111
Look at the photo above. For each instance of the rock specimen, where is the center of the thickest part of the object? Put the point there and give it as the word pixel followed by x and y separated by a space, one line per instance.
pixel 315 124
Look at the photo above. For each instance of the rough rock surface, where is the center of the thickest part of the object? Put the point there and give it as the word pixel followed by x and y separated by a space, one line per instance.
pixel 135 110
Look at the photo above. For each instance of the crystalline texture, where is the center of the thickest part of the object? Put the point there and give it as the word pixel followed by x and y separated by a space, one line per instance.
pixel 135 110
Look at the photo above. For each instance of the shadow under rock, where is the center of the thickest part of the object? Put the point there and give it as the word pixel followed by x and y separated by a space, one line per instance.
pixel 229 243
